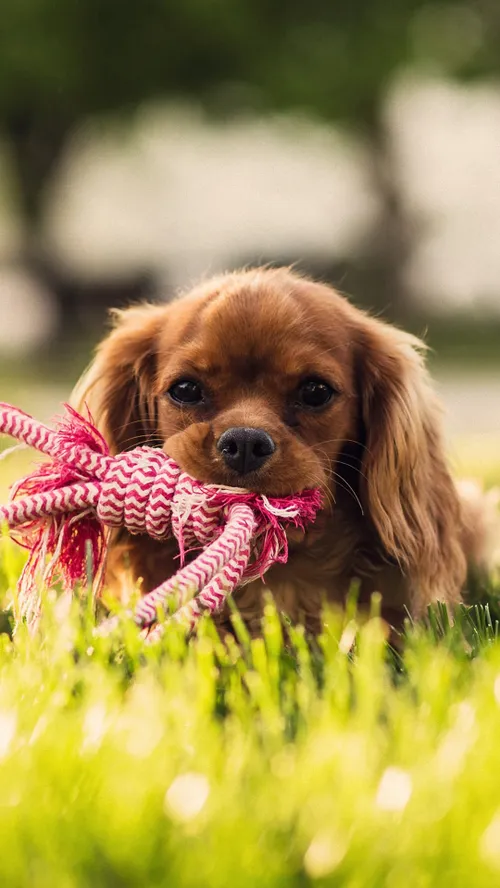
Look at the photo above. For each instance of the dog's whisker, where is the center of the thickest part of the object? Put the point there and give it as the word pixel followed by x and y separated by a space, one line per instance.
pixel 345 484
pixel 329 496
pixel 343 441
pixel 342 483
pixel 341 462
pixel 329 469
pixel 128 425
pixel 320 482
pixel 138 441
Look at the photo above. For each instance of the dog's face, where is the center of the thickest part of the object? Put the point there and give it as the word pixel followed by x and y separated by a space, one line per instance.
pixel 255 386
pixel 267 381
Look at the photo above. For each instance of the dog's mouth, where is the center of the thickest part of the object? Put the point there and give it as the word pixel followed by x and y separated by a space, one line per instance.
pixel 273 474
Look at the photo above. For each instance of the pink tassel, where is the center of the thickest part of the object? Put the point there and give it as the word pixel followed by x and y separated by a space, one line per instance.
pixel 65 540
pixel 271 543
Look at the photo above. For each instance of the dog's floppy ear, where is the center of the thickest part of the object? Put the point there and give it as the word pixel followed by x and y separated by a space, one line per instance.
pixel 118 387
pixel 407 489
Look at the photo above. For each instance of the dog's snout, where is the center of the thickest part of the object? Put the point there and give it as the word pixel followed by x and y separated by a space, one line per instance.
pixel 245 450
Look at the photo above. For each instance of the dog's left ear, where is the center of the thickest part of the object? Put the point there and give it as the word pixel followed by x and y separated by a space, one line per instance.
pixel 407 489
pixel 118 386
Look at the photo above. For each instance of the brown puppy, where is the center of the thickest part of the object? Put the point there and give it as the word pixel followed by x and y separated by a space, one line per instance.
pixel 266 380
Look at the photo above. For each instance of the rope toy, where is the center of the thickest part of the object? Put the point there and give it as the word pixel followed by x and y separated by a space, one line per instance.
pixel 60 513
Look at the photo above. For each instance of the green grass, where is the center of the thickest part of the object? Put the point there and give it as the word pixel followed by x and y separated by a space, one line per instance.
pixel 269 762
pixel 261 763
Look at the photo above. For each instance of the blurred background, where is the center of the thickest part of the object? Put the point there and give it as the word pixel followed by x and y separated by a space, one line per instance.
pixel 146 144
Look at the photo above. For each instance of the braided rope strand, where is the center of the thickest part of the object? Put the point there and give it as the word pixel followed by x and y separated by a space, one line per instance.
pixel 42 505
pixel 66 503
pixel 220 567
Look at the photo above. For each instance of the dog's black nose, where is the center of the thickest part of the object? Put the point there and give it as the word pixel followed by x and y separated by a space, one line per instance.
pixel 245 450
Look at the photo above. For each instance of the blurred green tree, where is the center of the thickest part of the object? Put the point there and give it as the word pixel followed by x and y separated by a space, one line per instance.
pixel 338 60
pixel 63 61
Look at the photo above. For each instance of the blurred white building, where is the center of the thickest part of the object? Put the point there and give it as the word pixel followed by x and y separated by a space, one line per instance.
pixel 185 197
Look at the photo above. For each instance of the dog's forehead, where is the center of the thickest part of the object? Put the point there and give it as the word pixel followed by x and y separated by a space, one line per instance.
pixel 250 328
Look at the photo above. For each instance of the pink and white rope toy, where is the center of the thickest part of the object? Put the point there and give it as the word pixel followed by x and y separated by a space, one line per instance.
pixel 60 512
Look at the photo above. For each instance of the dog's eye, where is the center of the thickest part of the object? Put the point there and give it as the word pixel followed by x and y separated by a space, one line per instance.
pixel 186 391
pixel 314 393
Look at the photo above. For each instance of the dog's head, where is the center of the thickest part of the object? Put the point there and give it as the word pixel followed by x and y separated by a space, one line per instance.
pixel 265 380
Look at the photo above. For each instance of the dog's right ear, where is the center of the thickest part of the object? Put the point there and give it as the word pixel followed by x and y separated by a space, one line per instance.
pixel 118 386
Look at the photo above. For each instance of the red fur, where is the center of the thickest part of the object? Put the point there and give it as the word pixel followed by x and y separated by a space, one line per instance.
pixel 392 515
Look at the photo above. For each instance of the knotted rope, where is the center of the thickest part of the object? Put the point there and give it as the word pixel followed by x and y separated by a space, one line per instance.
pixel 60 512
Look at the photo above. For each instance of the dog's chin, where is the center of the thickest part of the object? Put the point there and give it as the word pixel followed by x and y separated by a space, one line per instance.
pixel 252 483
pixel 269 483
pixel 266 483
